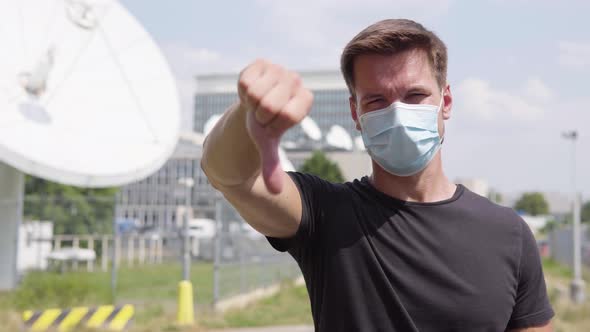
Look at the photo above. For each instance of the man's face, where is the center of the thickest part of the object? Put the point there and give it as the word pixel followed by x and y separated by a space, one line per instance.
pixel 381 80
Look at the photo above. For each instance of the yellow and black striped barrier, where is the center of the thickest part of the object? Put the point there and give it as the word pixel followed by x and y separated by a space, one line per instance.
pixel 115 318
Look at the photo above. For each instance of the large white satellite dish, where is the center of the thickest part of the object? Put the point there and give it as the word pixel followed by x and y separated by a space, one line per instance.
pixel 86 97
pixel 311 128
pixel 210 123
pixel 289 145
pixel 359 143
pixel 338 137
pixel 286 164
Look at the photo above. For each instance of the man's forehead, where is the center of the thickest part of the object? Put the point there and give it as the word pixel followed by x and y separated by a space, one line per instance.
pixel 406 70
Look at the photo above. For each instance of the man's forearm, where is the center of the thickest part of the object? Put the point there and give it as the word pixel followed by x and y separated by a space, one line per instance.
pixel 230 157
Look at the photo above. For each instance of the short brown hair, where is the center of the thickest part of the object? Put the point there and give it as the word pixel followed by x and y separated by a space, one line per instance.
pixel 392 36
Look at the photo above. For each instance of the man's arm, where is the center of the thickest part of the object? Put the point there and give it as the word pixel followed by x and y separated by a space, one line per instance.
pixel 240 155
pixel 548 327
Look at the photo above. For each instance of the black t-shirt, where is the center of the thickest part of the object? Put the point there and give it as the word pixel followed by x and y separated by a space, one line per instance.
pixel 375 263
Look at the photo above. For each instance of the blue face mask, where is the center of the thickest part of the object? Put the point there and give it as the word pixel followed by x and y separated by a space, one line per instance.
pixel 402 138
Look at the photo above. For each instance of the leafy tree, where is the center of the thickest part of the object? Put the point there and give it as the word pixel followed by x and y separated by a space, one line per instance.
pixel 495 196
pixel 586 212
pixel 549 227
pixel 533 203
pixel 73 210
pixel 318 164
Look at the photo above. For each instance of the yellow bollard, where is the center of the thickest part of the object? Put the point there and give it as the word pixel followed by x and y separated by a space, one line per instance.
pixel 186 312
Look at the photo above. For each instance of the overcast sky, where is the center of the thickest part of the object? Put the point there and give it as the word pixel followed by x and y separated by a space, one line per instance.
pixel 519 70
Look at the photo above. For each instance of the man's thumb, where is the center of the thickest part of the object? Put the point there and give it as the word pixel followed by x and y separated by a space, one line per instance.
pixel 272 173
pixel 268 147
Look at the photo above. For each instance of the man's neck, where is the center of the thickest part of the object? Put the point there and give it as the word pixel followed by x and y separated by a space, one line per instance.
pixel 429 185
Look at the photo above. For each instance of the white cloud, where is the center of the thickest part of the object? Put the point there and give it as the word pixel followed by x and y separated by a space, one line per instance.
pixel 478 99
pixel 185 59
pixel 186 62
pixel 308 28
pixel 574 54
pixel 536 89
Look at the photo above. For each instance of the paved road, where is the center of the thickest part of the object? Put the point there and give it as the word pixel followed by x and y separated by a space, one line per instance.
pixel 298 328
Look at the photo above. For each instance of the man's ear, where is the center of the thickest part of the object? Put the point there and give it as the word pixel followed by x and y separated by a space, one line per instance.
pixel 353 112
pixel 447 103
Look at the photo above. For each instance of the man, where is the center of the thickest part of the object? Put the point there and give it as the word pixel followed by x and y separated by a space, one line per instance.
pixel 404 249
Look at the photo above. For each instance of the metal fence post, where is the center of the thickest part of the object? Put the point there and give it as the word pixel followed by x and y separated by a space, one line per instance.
pixel 142 250
pixel 130 250
pixel 217 250
pixel 104 255
pixel 75 245
pixel 57 242
pixel 90 263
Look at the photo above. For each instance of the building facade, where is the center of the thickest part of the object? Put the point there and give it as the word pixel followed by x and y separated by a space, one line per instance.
pixel 215 93
pixel 160 200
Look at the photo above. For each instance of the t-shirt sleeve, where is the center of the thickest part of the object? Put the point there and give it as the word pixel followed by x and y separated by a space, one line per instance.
pixel 311 191
pixel 532 306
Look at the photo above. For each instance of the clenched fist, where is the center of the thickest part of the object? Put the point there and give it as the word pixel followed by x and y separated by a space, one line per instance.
pixel 275 100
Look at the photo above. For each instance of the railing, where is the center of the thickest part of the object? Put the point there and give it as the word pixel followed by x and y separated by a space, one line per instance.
pixel 129 250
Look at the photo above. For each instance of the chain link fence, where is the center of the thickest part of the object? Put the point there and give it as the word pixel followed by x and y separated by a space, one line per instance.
pixel 245 260
pixel 240 258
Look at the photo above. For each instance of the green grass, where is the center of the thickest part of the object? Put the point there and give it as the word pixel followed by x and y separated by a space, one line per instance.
pixel 288 307
pixel 568 316
pixel 160 282
pixel 147 284
pixel 556 269
pixel 153 289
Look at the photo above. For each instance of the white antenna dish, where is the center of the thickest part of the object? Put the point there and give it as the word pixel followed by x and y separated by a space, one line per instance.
pixel 338 137
pixel 86 97
pixel 311 128
pixel 288 145
pixel 359 143
pixel 285 162
pixel 210 123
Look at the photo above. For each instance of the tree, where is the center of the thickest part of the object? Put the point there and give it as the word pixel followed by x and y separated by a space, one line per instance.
pixel 586 212
pixel 318 164
pixel 533 203
pixel 495 196
pixel 72 210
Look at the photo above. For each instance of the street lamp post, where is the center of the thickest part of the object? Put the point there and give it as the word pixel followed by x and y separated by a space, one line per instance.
pixel 186 257
pixel 577 285
pixel 185 288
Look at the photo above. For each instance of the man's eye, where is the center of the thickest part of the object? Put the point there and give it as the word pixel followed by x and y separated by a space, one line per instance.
pixel 415 98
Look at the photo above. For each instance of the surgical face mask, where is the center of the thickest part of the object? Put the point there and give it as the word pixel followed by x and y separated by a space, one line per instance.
pixel 402 138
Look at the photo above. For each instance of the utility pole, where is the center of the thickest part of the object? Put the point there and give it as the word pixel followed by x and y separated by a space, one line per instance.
pixel 577 287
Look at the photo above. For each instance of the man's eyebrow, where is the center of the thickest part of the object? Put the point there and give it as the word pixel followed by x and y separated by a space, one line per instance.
pixel 418 87
pixel 372 95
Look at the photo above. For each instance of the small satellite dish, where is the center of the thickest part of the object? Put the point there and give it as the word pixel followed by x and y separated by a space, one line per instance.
pixel 86 96
pixel 338 137
pixel 311 128
pixel 358 142
pixel 288 145
pixel 285 162
pixel 210 123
